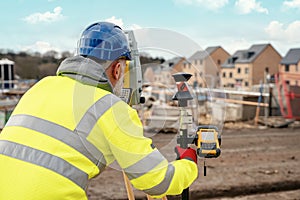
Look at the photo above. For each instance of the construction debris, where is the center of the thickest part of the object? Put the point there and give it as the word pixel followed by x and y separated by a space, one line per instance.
pixel 275 121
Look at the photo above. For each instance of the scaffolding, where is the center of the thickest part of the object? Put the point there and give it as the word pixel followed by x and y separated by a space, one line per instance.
pixel 288 86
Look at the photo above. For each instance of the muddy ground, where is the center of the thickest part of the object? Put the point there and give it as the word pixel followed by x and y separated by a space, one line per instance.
pixel 256 162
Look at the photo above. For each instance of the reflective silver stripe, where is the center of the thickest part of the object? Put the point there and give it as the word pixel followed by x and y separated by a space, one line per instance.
pixel 89 120
pixel 144 165
pixel 164 185
pixel 60 133
pixel 45 160
pixel 92 115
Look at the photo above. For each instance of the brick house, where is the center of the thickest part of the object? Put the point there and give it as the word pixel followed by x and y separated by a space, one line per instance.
pixel 162 73
pixel 248 67
pixel 205 66
pixel 290 65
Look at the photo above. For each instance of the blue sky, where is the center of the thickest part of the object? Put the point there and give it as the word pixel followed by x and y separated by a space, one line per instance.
pixel 42 25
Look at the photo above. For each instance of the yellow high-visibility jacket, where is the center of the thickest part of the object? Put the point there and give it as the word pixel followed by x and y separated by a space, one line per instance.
pixel 64 131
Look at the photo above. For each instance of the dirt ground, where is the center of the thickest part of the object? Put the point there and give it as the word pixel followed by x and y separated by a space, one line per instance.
pixel 256 162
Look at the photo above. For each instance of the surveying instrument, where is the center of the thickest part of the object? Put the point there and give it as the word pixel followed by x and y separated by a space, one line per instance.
pixel 207 137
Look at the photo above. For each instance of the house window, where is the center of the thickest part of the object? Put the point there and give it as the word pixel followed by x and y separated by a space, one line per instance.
pixel 201 62
pixel 238 70
pixel 267 70
pixel 195 62
pixel 286 68
pixel 246 84
pixel 219 62
pixel 230 75
pixel 224 74
pixel 246 70
pixel 250 54
pixel 238 82
pixel 200 73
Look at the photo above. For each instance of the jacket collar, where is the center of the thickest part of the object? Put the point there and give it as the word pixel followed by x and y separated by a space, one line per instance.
pixel 86 71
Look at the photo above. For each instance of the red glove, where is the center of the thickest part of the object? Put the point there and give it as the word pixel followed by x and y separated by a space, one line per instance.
pixel 189 154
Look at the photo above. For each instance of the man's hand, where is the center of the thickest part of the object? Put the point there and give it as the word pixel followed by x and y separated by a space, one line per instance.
pixel 189 154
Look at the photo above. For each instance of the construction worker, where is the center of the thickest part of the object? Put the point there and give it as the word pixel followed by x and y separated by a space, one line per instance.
pixel 67 128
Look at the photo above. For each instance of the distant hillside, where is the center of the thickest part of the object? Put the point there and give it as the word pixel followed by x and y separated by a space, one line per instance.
pixel 34 66
pixel 37 66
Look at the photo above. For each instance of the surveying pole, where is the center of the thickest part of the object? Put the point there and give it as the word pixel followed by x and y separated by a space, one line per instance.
pixel 183 95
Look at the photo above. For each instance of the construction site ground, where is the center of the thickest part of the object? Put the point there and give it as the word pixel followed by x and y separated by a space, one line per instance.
pixel 256 162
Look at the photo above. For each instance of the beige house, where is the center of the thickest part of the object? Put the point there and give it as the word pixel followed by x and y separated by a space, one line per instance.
pixel 162 73
pixel 290 67
pixel 205 67
pixel 249 67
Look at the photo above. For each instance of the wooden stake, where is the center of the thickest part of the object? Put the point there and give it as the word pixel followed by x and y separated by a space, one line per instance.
pixel 129 189
pixel 128 186
pixel 258 104
pixel 256 116
pixel 251 103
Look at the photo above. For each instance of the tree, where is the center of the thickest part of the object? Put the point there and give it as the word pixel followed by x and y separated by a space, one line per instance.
pixel 51 54
pixel 66 54
pixel 48 69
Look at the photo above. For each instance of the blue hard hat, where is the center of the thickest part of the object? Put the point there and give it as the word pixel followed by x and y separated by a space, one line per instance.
pixel 104 41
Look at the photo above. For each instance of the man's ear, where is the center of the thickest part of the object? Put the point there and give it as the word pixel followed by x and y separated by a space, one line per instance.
pixel 116 71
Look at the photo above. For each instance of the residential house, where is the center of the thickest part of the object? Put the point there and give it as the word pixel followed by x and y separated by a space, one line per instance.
pixel 162 73
pixel 249 67
pixel 290 66
pixel 205 66
pixel 159 77
pixel 228 70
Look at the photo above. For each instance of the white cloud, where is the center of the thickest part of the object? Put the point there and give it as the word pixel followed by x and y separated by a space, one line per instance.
pixel 233 44
pixel 116 21
pixel 247 6
pixel 289 33
pixel 40 46
pixel 45 17
pixel 292 4
pixel 134 27
pixel 119 22
pixel 209 4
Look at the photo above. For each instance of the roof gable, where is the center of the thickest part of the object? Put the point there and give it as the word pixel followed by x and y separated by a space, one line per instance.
pixel 210 50
pixel 199 55
pixel 167 65
pixel 292 57
pixel 229 63
pixel 171 62
pixel 248 56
